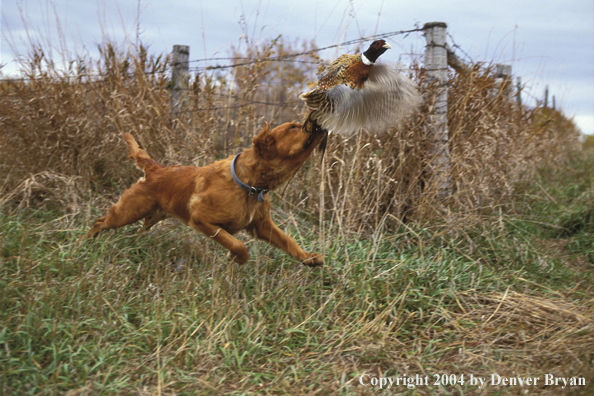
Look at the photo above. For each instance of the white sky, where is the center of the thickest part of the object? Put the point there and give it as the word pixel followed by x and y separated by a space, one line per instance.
pixel 547 42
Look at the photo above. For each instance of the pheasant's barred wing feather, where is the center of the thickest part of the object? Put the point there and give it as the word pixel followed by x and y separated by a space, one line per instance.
pixel 388 97
pixel 315 99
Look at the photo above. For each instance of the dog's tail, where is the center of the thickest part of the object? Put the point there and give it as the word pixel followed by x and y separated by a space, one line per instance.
pixel 141 158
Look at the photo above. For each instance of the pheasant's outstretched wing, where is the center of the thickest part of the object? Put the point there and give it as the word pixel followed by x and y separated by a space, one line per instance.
pixel 387 97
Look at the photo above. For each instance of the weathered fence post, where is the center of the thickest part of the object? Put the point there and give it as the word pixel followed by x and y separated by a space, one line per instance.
pixel 180 76
pixel 503 78
pixel 519 88
pixel 436 68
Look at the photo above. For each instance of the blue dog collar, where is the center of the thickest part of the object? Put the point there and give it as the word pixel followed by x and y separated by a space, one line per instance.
pixel 251 190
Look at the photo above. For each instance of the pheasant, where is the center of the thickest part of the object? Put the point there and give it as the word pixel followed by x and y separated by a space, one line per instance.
pixel 354 93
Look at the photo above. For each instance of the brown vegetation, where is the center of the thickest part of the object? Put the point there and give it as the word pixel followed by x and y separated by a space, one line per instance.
pixel 68 123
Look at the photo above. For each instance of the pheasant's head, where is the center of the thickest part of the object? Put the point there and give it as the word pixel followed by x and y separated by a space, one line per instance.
pixel 376 48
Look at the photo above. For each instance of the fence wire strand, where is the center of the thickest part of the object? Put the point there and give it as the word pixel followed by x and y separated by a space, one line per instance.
pixel 250 61
pixel 295 55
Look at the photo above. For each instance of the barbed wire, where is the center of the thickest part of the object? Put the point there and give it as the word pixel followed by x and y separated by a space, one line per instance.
pixel 87 78
pixel 308 52
pixel 205 68
pixel 250 61
pixel 458 47
pixel 246 61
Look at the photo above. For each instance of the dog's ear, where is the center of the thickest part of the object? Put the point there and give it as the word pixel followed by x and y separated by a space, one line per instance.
pixel 264 143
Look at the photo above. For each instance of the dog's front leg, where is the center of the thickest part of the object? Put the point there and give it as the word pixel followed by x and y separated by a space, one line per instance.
pixel 235 246
pixel 269 232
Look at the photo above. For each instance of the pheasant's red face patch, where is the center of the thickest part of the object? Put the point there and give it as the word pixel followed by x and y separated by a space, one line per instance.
pixel 379 44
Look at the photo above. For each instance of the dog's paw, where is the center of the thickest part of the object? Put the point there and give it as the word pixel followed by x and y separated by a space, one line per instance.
pixel 314 260
pixel 241 258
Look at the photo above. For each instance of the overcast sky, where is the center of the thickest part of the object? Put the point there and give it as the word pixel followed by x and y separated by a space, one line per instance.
pixel 547 42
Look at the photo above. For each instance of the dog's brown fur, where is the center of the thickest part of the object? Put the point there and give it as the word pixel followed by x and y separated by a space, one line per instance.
pixel 209 200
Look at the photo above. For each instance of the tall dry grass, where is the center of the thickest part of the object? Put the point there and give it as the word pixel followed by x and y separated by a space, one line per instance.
pixel 68 123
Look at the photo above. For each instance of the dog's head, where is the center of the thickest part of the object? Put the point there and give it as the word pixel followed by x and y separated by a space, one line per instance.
pixel 285 142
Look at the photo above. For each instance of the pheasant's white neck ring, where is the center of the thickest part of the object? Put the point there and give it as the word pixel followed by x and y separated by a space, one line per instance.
pixel 366 61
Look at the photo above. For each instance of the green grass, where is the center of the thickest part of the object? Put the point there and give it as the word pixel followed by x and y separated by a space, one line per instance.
pixel 167 312
pixel 569 206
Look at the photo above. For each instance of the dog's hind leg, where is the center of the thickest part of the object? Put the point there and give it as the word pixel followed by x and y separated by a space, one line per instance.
pixel 134 205
pixel 152 219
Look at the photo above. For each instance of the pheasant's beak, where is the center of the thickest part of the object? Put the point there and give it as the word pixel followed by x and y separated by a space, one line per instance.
pixel 386 46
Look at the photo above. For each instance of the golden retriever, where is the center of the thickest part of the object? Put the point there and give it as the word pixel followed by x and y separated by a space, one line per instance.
pixel 222 198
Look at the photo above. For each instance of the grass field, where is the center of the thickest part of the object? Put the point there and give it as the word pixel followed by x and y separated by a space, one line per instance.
pixel 167 312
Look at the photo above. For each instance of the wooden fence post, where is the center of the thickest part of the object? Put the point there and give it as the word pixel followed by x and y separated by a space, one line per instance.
pixel 436 68
pixel 503 78
pixel 519 88
pixel 180 76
